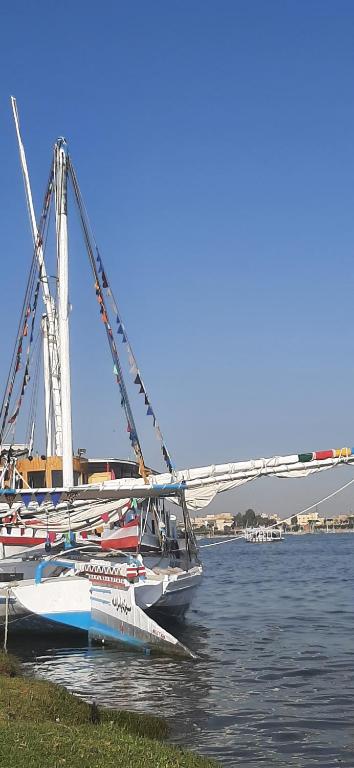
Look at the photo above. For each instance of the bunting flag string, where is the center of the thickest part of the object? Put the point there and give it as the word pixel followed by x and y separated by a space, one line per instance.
pixel 134 369
pixel 25 328
pixel 101 278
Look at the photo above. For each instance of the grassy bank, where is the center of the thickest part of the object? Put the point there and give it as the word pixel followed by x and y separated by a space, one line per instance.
pixel 44 726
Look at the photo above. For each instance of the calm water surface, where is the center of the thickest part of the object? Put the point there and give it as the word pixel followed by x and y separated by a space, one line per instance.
pixel 273 626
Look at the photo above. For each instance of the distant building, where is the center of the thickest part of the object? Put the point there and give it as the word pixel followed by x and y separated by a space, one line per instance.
pixel 218 522
pixel 305 520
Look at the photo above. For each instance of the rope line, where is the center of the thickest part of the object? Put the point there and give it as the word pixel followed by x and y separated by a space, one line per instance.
pixel 286 519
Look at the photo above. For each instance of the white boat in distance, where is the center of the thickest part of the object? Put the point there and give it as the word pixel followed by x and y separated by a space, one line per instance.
pixel 263 535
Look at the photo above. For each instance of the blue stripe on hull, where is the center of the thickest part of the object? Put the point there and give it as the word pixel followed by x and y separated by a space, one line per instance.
pixel 99 631
pixel 75 619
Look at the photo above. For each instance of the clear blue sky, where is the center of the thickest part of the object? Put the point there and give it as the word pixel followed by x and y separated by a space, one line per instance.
pixel 214 143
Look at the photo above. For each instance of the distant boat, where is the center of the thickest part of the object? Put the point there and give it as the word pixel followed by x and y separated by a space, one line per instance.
pixel 263 535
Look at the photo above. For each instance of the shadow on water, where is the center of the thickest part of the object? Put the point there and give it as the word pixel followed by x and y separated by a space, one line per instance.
pixel 273 683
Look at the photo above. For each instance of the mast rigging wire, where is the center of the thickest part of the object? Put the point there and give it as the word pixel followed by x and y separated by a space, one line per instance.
pixel 133 434
pixel 90 236
pixel 27 308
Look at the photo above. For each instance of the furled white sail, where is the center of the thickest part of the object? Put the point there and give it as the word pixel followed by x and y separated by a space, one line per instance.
pixel 200 486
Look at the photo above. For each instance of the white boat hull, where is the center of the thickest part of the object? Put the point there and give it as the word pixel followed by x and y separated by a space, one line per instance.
pixel 66 600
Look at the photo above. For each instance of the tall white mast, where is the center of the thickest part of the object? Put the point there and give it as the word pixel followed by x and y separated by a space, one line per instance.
pixel 47 386
pixel 60 190
pixel 48 300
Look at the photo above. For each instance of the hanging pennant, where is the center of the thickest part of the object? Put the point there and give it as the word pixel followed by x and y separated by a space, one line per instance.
pixel 137 380
pixel 14 415
pixel 71 496
pixel 55 497
pixel 26 499
pixel 120 329
pixel 10 497
pixel 149 411
pixel 104 280
pixel 39 497
pixel 105 517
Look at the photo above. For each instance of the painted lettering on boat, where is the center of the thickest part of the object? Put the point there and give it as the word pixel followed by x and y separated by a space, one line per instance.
pixel 121 605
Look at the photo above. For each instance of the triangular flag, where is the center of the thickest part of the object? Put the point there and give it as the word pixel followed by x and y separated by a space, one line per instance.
pixel 141 390
pixel 105 517
pixel 104 280
pixel 137 380
pixel 149 411
pixel 120 329
pixel 115 370
pixel 40 498
pixel 55 498
pixel 146 399
pixel 26 498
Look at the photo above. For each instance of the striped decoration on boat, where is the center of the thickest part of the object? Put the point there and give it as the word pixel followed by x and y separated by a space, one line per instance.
pixel 332 453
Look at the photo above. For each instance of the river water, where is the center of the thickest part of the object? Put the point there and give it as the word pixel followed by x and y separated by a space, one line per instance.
pixel 273 627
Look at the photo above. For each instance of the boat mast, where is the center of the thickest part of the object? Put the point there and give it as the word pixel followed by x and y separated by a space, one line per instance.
pixel 47 384
pixel 54 371
pixel 60 191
